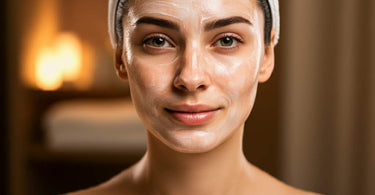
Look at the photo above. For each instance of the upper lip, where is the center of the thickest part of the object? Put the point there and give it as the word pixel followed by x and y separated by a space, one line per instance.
pixel 193 108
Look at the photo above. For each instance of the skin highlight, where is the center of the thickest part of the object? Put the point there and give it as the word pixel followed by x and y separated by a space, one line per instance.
pixel 177 76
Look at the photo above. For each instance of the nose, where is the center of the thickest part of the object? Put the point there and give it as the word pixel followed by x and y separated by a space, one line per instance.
pixel 192 73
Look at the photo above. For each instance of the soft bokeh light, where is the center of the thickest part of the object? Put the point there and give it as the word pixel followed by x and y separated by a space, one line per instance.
pixel 42 27
pixel 48 70
pixel 69 53
pixel 59 63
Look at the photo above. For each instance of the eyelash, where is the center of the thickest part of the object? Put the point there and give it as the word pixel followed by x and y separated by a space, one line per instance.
pixel 235 38
pixel 146 41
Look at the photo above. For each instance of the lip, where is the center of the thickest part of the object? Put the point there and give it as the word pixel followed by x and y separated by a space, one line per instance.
pixel 193 114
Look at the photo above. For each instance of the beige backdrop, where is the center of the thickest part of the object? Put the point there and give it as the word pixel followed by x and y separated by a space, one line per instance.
pixel 328 133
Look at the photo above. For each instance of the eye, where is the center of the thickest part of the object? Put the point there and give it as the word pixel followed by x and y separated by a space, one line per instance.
pixel 157 42
pixel 227 41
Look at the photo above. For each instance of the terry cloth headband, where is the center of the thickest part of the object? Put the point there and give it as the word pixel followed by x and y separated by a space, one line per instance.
pixel 114 4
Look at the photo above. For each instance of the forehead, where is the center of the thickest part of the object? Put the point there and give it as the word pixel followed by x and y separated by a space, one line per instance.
pixel 189 9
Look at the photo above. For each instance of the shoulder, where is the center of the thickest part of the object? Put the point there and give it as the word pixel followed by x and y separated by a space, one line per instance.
pixel 93 190
pixel 119 184
pixel 100 189
pixel 295 191
pixel 270 185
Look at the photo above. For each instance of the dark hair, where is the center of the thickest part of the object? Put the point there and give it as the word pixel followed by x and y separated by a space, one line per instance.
pixel 123 6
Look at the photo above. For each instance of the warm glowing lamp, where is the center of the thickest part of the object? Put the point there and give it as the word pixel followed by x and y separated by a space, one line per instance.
pixel 68 49
pixel 59 63
pixel 48 71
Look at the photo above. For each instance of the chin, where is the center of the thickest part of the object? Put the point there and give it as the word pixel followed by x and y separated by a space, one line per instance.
pixel 191 141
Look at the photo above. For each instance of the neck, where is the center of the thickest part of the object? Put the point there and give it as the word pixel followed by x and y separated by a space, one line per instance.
pixel 218 171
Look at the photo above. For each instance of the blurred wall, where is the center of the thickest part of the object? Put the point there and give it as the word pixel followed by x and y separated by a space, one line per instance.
pixel 328 92
pixel 3 106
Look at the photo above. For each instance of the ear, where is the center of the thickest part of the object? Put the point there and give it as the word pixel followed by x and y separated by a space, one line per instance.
pixel 266 68
pixel 120 64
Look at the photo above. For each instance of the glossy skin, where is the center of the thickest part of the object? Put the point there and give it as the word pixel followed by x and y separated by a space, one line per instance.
pixel 213 72
pixel 193 82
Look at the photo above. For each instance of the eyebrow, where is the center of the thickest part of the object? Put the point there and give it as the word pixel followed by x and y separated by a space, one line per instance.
pixel 158 22
pixel 209 26
pixel 225 22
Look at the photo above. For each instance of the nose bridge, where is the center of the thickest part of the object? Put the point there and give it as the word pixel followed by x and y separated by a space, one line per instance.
pixel 192 74
pixel 191 60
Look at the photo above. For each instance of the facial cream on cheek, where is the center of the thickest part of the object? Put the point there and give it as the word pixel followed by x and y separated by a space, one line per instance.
pixel 228 68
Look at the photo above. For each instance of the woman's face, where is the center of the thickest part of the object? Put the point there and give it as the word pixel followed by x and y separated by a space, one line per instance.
pixel 193 68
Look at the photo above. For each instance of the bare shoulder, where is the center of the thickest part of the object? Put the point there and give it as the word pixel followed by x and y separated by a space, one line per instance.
pixel 93 190
pixel 295 191
pixel 289 190
pixel 270 185
pixel 119 184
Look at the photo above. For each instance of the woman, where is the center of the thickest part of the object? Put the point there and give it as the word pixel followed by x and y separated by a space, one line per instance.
pixel 193 69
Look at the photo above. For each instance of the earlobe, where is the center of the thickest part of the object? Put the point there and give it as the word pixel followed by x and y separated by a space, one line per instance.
pixel 267 67
pixel 120 65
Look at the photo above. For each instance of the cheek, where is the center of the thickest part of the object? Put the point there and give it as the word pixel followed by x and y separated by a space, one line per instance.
pixel 149 84
pixel 147 87
pixel 147 76
pixel 237 75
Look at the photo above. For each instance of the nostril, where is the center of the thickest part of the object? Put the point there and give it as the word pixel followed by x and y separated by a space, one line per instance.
pixel 183 87
pixel 201 87
pixel 191 78
pixel 190 87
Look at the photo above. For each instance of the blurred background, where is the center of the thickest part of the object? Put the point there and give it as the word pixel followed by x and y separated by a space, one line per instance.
pixel 67 122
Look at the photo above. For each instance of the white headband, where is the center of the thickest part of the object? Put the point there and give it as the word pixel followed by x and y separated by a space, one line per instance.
pixel 113 5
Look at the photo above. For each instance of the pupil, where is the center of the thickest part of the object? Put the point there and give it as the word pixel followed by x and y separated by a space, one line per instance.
pixel 158 41
pixel 227 41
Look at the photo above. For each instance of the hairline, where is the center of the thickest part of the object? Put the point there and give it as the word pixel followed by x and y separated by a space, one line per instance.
pixel 124 5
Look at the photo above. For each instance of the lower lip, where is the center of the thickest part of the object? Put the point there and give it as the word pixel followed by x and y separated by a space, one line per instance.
pixel 194 118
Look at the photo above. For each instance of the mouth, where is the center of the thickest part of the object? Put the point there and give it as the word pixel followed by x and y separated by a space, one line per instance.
pixel 193 114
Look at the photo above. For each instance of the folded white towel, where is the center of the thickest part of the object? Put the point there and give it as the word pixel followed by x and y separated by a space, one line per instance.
pixel 94 125
pixel 274 4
